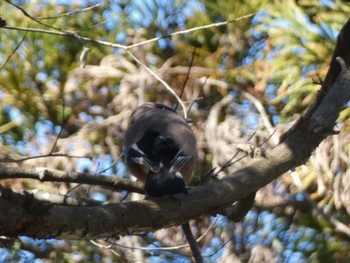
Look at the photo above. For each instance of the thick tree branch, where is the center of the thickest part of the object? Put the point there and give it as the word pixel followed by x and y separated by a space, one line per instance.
pixel 67 200
pixel 341 50
pixel 21 214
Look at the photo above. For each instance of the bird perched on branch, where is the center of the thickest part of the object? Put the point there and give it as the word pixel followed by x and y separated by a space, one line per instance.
pixel 160 151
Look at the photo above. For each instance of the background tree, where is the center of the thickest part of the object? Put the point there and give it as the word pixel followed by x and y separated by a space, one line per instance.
pixel 248 81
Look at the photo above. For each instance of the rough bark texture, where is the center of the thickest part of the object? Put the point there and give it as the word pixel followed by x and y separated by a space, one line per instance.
pixel 22 214
pixel 28 213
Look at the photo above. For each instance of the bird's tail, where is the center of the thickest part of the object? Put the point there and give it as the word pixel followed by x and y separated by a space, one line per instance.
pixel 164 183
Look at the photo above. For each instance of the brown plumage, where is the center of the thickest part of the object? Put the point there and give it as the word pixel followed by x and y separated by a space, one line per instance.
pixel 160 143
pixel 160 150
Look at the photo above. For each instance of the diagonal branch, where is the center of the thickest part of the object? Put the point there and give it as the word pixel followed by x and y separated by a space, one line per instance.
pixel 68 34
pixel 21 214
pixel 31 17
pixel 61 32
pixel 89 8
pixel 127 47
pixel 14 51
pixel 179 100
pixel 341 50
pixel 193 29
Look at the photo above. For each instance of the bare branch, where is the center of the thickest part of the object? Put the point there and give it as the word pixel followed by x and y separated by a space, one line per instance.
pixel 14 51
pixel 52 175
pixel 61 128
pixel 182 32
pixel 126 47
pixel 20 212
pixel 341 50
pixel 20 160
pixel 179 100
pixel 31 17
pixel 68 34
pixel 187 77
pixel 89 8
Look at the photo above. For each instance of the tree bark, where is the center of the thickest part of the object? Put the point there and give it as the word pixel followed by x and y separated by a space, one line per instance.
pixel 22 214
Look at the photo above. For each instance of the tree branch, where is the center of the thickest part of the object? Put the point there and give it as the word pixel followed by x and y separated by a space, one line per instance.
pixel 89 8
pixel 66 200
pixel 172 92
pixel 126 47
pixel 61 32
pixel 21 214
pixel 341 50
pixel 53 175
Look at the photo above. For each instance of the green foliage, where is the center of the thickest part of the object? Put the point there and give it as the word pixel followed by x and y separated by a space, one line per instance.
pixel 331 251
pixel 274 56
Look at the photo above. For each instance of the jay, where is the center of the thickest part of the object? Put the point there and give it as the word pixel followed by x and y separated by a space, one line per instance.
pixel 160 149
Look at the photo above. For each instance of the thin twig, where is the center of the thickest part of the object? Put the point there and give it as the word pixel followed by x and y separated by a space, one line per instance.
pixel 91 27
pixel 68 34
pixel 192 102
pixel 72 189
pixel 31 17
pixel 35 19
pixel 187 76
pixel 161 81
pixel 105 43
pixel 69 13
pixel 14 51
pixel 10 160
pixel 181 32
pixel 219 248
pixel 170 247
pixel 126 47
pixel 20 160
pixel 61 128
pixel 268 138
pixel 112 164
